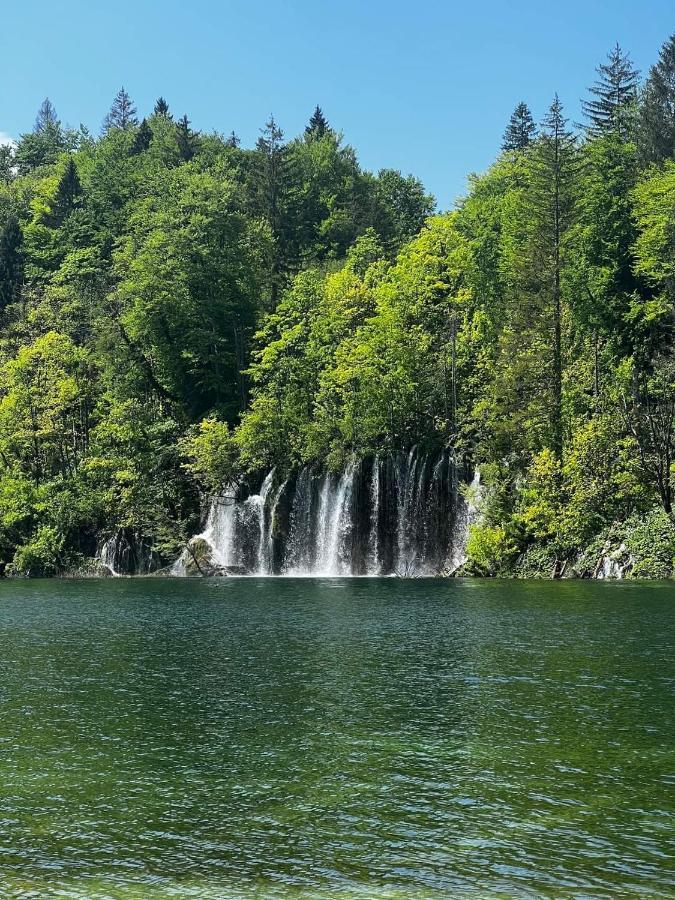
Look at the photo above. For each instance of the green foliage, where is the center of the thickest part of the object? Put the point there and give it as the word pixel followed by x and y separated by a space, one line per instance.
pixel 134 271
pixel 656 115
pixel 211 454
pixel 490 550
pixel 521 130
pixel 42 555
pixel 650 541
pixel 613 95
pixel 179 312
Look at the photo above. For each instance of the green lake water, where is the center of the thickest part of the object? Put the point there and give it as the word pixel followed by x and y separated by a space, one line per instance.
pixel 347 738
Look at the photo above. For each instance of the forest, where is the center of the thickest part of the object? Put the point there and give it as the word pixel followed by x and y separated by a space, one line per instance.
pixel 180 312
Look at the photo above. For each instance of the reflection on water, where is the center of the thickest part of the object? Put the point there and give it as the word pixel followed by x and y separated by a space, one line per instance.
pixel 243 737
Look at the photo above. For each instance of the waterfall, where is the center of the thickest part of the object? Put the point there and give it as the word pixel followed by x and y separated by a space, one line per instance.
pixel 108 555
pixel 126 552
pixel 389 515
pixel 373 554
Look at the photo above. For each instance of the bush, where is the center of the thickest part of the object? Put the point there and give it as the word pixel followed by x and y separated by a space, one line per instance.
pixel 42 555
pixel 490 549
pixel 650 542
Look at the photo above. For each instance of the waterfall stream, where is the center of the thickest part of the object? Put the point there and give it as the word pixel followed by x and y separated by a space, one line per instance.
pixel 390 515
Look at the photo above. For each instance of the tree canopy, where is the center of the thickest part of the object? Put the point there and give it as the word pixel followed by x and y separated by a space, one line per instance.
pixel 180 311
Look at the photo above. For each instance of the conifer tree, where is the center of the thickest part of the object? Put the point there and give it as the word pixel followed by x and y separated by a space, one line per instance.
pixel 614 93
pixel 186 138
pixel 273 190
pixel 521 129
pixel 11 239
pixel 46 117
pixel 68 192
pixel 656 130
pixel 318 125
pixel 143 138
pixel 42 145
pixel 232 140
pixel 122 113
pixel 162 108
pixel 554 166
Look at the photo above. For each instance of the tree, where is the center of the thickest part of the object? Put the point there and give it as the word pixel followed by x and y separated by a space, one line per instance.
pixel 6 163
pixel 405 204
pixel 232 140
pixel 46 117
pixel 273 188
pixel 43 428
pixel 615 94
pixel 189 294
pixel 162 108
pixel 656 131
pixel 11 239
pixel 43 145
pixel 68 192
pixel 143 138
pixel 186 139
pixel 551 209
pixel 318 125
pixel 521 129
pixel 122 113
pixel 649 413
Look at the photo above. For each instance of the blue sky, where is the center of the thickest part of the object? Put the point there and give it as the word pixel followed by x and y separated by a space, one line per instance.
pixel 424 87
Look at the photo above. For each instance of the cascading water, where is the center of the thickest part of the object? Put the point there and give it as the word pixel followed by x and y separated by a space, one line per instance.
pixel 392 515
pixel 126 553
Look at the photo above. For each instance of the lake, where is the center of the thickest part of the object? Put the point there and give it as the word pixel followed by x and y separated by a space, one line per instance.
pixel 336 738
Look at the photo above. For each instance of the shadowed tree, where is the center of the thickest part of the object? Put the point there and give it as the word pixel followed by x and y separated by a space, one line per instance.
pixel 143 138
pixel 162 108
pixel 272 187
pixel 46 117
pixel 6 163
pixel 69 188
pixel 186 139
pixel 318 125
pixel 122 113
pixel 10 261
pixel 521 129
pixel 656 130
pixel 614 95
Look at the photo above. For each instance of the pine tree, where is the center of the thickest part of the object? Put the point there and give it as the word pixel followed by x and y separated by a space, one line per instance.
pixel 162 108
pixel 656 130
pixel 43 145
pixel 11 239
pixel 318 125
pixel 521 129
pixel 554 167
pixel 615 94
pixel 46 118
pixel 273 189
pixel 122 113
pixel 232 140
pixel 143 138
pixel 68 193
pixel 186 138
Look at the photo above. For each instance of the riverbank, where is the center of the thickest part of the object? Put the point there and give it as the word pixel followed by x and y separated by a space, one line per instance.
pixel 639 548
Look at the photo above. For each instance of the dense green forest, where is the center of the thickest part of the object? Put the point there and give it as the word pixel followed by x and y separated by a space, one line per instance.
pixel 179 311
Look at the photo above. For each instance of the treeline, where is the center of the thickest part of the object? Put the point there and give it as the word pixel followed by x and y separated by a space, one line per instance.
pixel 179 312
pixel 530 330
pixel 134 269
